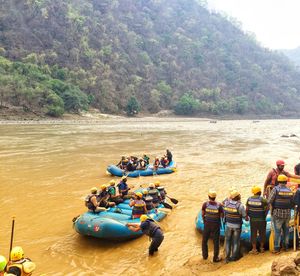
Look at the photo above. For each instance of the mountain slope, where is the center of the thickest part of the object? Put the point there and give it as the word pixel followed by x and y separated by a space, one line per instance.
pixel 166 54
pixel 293 55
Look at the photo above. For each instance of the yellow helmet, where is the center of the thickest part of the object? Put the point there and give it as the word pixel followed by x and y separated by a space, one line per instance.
pixel 255 190
pixel 157 183
pixel 94 190
pixel 151 185
pixel 143 218
pixel 17 253
pixel 112 182
pixel 139 194
pixel 234 194
pixel 145 191
pixel 212 193
pixel 3 263
pixel 124 177
pixel 282 178
pixel 103 187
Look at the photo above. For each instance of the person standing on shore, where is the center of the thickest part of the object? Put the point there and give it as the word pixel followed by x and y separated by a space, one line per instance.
pixel 257 209
pixel 212 212
pixel 281 200
pixel 234 213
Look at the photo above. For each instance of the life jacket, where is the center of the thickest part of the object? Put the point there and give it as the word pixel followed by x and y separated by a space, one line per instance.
pixel 212 212
pixel 155 195
pixel 156 162
pixel 124 188
pixel 255 207
pixel 153 227
pixel 88 203
pixel 274 181
pixel 232 214
pixel 25 265
pixel 162 192
pixel 148 200
pixel 283 198
pixel 111 191
pixel 138 207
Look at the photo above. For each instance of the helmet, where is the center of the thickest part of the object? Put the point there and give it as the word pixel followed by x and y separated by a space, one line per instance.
pixel 234 194
pixel 212 193
pixel 94 190
pixel 157 183
pixel 145 191
pixel 112 182
pixel 17 253
pixel 139 194
pixel 103 187
pixel 255 190
pixel 282 178
pixel 151 185
pixel 143 218
pixel 280 163
pixel 3 263
pixel 124 177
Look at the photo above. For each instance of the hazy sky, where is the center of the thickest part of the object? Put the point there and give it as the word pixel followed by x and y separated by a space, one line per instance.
pixel 276 23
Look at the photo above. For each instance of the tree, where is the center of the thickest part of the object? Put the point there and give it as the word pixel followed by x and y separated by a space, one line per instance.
pixel 133 106
pixel 187 105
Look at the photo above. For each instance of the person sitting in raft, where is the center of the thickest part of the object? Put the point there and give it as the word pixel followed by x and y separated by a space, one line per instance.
pixel 154 193
pixel 138 204
pixel 123 187
pixel 112 191
pixel 3 263
pixel 141 164
pixel 164 161
pixel 161 191
pixel 257 209
pixel 169 156
pixel 91 201
pixel 148 200
pixel 271 180
pixel 156 163
pixel 103 197
pixel 18 264
pixel 121 162
pixel 151 229
pixel 146 159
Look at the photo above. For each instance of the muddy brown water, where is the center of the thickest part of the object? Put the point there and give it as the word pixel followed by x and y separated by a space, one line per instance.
pixel 47 169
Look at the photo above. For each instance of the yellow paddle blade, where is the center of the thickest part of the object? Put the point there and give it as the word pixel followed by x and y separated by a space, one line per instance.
pixel 271 240
pixel 294 180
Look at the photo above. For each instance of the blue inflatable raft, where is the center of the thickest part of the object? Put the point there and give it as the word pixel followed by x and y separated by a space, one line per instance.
pixel 246 233
pixel 111 224
pixel 114 170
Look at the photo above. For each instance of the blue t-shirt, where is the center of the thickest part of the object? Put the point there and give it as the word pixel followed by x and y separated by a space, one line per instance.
pixel 122 186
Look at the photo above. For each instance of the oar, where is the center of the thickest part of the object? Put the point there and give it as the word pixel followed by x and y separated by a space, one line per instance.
pixel 167 205
pixel 12 236
pixel 174 200
pixel 295 226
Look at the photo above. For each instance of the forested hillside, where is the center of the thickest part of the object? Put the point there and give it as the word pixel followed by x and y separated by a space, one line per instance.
pixel 293 55
pixel 122 55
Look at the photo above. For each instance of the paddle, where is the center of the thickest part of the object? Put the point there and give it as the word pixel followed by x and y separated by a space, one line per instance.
pixel 167 205
pixel 12 236
pixel 295 227
pixel 174 200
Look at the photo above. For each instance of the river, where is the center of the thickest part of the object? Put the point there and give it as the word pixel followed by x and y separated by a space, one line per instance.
pixel 46 170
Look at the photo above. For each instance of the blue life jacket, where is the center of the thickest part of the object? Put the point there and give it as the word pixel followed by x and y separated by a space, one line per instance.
pixel 151 228
pixel 155 195
pixel 283 198
pixel 232 214
pixel 212 212
pixel 255 207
